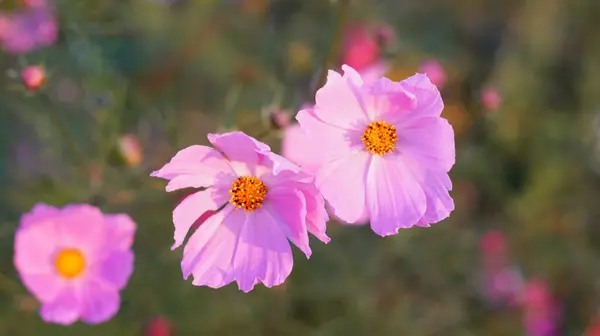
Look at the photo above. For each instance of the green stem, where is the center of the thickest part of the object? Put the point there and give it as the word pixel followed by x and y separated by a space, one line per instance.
pixel 334 52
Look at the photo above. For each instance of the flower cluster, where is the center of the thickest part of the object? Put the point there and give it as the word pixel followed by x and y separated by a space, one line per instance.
pixel 368 150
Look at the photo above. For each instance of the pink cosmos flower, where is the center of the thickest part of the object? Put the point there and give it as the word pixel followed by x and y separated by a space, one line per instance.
pixel 33 77
pixel 74 260
pixel 541 312
pixel 360 48
pixel 260 201
pixel 387 156
pixel 28 30
pixel 435 71
pixel 491 99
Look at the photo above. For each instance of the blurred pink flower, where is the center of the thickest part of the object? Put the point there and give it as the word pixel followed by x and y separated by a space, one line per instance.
pixel 75 260
pixel 541 311
pixel 390 134
pixel 502 283
pixel 131 149
pixel 33 76
pixel 159 326
pixel 27 30
pixel 360 48
pixel 279 119
pixel 491 99
pixel 435 71
pixel 261 199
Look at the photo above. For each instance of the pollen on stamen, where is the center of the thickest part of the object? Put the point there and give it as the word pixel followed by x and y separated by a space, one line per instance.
pixel 380 138
pixel 248 193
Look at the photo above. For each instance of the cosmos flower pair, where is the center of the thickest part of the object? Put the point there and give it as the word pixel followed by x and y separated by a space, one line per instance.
pixel 374 151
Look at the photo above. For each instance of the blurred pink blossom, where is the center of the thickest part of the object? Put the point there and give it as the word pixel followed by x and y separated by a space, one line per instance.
pixel 501 282
pixel 27 30
pixel 159 326
pixel 435 71
pixel 360 48
pixel 491 99
pixel 75 260
pixel 541 311
pixel 33 77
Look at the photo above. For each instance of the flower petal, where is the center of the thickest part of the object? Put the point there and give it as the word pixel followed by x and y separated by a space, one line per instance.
pixel 287 206
pixel 342 183
pixel 194 206
pixel 116 268
pixel 430 141
pixel 238 146
pixel 64 309
pixel 316 217
pixel 38 213
pixel 208 253
pixel 394 197
pixel 121 231
pixel 320 142
pixel 429 101
pixel 263 253
pixel 337 102
pixel 439 202
pixel 195 167
pixel 99 302
pixel 44 286
pixel 34 247
pixel 81 226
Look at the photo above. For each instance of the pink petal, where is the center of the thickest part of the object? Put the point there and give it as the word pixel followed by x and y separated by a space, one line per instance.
pixel 429 101
pixel 35 245
pixel 237 146
pixel 99 302
pixel 439 202
pixel 195 167
pixel 208 253
pixel 121 231
pixel 194 206
pixel 320 142
pixel 39 212
pixel 388 100
pixel 287 206
pixel 44 286
pixel 430 141
pixel 337 102
pixel 64 309
pixel 116 268
pixel 263 253
pixel 394 197
pixel 316 218
pixel 342 183
pixel 81 226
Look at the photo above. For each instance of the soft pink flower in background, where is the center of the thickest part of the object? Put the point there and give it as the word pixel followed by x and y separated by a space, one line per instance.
pixel 131 149
pixel 502 283
pixel 33 76
pixel 159 326
pixel 28 30
pixel 360 48
pixel 435 71
pixel 491 99
pixel 74 260
pixel 260 200
pixel 387 156
pixel 541 311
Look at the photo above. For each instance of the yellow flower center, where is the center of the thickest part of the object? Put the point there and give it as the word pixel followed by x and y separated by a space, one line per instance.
pixel 248 193
pixel 380 138
pixel 70 263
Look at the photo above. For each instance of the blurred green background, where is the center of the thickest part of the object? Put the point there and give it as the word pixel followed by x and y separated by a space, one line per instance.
pixel 165 73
